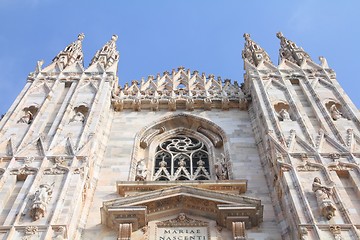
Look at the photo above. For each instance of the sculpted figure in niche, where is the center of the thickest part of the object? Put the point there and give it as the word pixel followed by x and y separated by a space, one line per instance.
pixel 221 169
pixel 27 118
pixel 284 114
pixel 78 117
pixel 323 193
pixel 41 199
pixel 141 171
pixel 335 113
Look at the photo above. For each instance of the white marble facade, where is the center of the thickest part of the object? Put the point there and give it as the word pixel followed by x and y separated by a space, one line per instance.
pixel 181 155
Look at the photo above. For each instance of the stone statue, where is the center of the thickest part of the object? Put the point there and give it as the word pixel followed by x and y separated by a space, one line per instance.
pixel 323 193
pixel 324 62
pixel 221 169
pixel 284 114
pixel 41 198
pixel 27 118
pixel 335 113
pixel 78 117
pixel 141 171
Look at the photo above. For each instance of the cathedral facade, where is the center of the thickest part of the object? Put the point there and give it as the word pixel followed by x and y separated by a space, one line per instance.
pixel 181 155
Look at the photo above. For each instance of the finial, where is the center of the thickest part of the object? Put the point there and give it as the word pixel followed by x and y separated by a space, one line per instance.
pixel 279 35
pixel 81 36
pixel 114 37
pixel 246 36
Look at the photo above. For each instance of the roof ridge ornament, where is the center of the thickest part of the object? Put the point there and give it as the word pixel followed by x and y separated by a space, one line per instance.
pixel 108 54
pixel 72 53
pixel 290 51
pixel 253 52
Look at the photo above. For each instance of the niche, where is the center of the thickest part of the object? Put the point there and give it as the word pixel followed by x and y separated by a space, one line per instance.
pixel 335 110
pixel 282 111
pixel 80 113
pixel 28 114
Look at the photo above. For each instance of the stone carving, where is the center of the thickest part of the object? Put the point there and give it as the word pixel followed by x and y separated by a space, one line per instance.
pixel 174 156
pixel 56 170
pixel 78 117
pixel 60 233
pixel 72 53
pixel 303 232
pixel 59 160
pixel 336 231
pixel 334 156
pixel 290 51
pixel 221 168
pixel 108 54
pixel 23 171
pixel 215 139
pixel 29 232
pixel 29 160
pixel 253 52
pixel 145 140
pixel 323 193
pixel 182 221
pixel 179 89
pixel 141 171
pixel 284 115
pixel 41 199
pixel 307 167
pixel 335 113
pixel 324 62
pixel 190 104
pixel 27 118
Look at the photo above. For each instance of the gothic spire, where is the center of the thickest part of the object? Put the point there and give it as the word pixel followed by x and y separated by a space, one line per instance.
pixel 108 54
pixel 290 51
pixel 253 52
pixel 72 53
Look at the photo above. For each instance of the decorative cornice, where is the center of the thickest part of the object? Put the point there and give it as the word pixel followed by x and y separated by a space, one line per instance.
pixel 179 89
pixel 182 221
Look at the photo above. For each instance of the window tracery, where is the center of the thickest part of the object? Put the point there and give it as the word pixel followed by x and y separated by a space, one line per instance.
pixel 181 158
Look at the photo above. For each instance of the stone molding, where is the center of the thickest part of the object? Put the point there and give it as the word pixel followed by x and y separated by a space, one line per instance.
pixel 224 208
pixel 179 89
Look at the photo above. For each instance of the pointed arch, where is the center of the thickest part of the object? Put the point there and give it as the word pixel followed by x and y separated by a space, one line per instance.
pixel 211 136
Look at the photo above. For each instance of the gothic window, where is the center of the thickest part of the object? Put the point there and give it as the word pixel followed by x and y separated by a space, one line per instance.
pixel 181 158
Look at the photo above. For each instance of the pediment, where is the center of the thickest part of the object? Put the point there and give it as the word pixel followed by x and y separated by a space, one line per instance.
pixel 224 208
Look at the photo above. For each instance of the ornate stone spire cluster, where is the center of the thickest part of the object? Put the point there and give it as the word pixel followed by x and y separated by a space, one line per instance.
pixel 108 54
pixel 106 57
pixel 178 88
pixel 253 52
pixel 290 51
pixel 72 53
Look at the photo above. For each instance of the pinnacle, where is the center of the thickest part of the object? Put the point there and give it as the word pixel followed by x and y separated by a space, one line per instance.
pixel 108 54
pixel 253 52
pixel 290 51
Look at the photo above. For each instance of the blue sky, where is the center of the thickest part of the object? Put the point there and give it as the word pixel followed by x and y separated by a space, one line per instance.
pixel 159 35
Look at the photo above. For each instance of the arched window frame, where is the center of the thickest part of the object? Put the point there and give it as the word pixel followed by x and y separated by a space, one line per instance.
pixel 175 133
pixel 150 136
